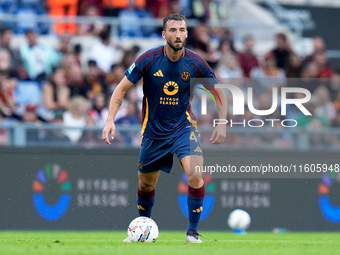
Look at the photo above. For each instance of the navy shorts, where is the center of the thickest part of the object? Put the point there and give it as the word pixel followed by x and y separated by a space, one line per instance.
pixel 158 154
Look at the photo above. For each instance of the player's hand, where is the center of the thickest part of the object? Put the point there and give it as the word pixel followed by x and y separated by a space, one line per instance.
pixel 110 127
pixel 219 134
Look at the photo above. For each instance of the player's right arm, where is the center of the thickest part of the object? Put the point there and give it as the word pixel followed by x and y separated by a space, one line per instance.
pixel 115 102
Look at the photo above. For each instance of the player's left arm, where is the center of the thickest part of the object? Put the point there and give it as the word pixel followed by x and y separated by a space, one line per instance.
pixel 219 133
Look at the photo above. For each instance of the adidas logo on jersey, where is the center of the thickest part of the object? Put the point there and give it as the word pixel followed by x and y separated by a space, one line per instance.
pixel 158 73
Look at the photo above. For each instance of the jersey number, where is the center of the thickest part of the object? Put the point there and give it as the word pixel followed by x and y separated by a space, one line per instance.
pixel 193 136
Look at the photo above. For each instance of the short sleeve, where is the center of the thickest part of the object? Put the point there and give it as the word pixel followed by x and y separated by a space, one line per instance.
pixel 133 74
pixel 210 77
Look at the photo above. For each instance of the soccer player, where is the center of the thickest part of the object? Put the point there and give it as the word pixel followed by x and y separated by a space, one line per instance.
pixel 167 124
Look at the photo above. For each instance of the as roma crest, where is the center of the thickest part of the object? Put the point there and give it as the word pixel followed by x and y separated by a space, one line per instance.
pixel 185 75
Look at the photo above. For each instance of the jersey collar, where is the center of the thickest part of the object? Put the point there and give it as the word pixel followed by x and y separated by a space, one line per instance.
pixel 164 51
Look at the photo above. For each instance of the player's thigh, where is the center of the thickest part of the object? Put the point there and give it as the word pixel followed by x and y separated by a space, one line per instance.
pixel 148 181
pixel 192 166
pixel 155 155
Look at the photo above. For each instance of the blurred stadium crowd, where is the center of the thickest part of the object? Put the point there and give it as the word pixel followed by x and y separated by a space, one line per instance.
pixel 44 84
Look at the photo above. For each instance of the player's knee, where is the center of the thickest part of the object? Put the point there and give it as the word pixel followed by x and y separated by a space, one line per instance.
pixel 195 182
pixel 146 186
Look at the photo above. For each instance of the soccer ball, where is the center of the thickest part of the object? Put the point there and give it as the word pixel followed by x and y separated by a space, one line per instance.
pixel 143 229
pixel 239 220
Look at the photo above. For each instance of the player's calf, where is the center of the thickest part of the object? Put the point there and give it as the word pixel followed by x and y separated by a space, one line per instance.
pixel 145 202
pixel 195 206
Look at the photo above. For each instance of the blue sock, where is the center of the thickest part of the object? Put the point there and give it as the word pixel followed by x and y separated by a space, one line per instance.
pixel 145 201
pixel 195 206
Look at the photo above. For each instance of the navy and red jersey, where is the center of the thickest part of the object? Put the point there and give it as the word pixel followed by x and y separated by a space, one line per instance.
pixel 166 87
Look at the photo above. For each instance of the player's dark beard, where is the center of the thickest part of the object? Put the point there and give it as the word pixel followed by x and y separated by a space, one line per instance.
pixel 175 48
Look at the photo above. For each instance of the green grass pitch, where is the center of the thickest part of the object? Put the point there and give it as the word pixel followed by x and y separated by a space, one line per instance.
pixel 49 243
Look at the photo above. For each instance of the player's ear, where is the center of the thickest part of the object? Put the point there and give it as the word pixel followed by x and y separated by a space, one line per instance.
pixel 163 34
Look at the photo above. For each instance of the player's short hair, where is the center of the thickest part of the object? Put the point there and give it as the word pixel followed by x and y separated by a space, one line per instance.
pixel 173 16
